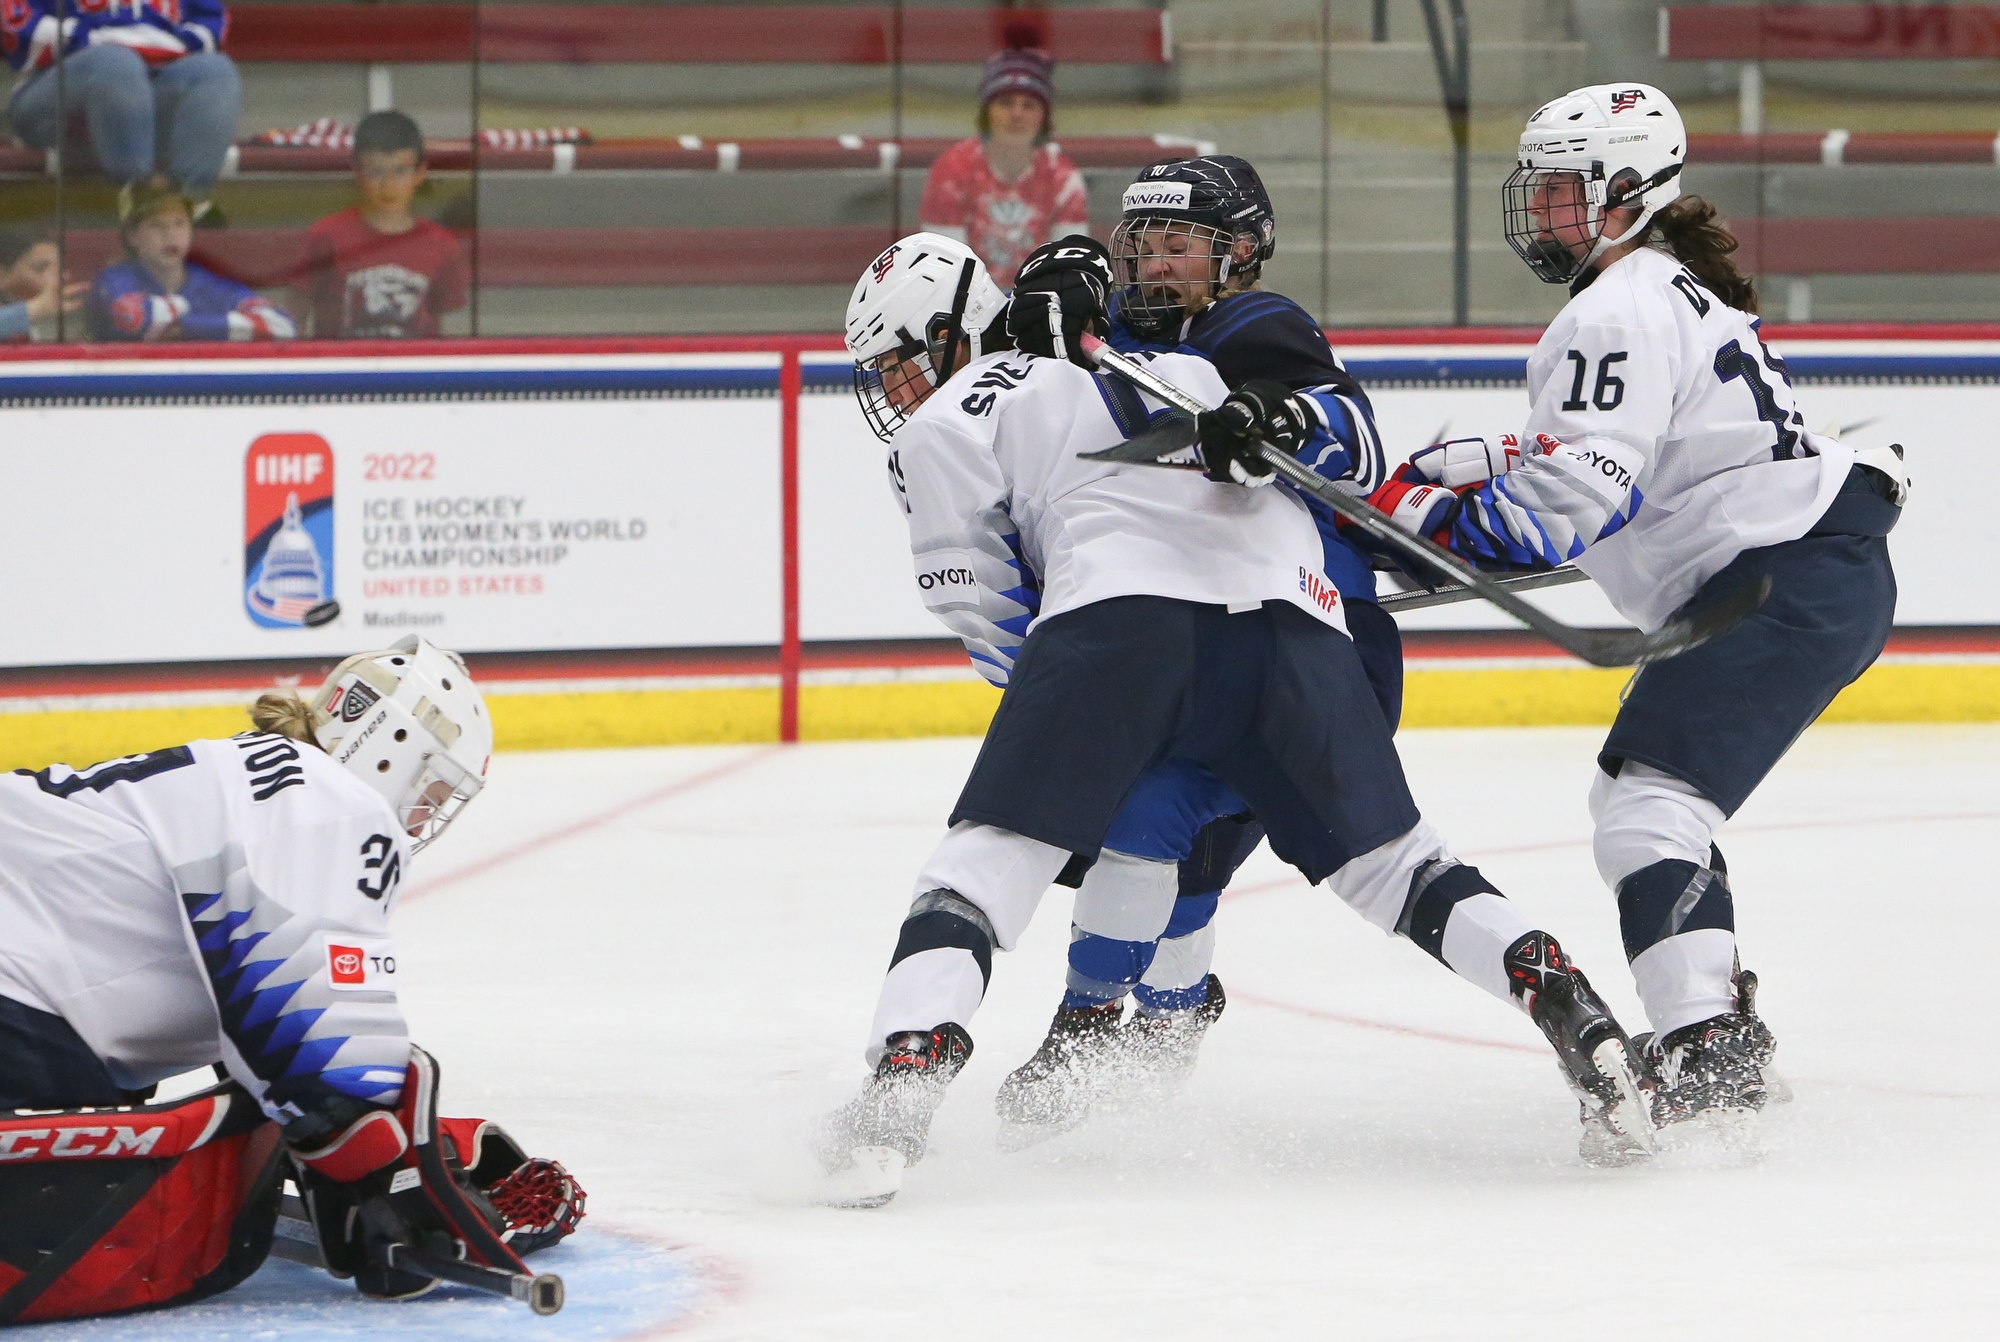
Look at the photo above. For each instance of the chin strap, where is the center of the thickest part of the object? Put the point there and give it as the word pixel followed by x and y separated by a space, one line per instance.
pixel 947 361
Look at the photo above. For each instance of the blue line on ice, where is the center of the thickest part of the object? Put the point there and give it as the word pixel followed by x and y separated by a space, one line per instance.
pixel 615 1286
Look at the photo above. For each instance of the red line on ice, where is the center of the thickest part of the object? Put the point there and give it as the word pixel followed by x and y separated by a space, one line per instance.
pixel 597 821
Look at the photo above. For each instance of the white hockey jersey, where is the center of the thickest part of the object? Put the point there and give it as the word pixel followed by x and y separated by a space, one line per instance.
pixel 1685 447
pixel 1009 527
pixel 222 901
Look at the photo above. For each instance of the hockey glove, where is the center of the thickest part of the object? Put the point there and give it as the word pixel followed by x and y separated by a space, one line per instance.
pixel 1468 461
pixel 1061 291
pixel 1415 505
pixel 389 1177
pixel 1256 413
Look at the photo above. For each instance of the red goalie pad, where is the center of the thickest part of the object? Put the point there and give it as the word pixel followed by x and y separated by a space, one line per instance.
pixel 109 1210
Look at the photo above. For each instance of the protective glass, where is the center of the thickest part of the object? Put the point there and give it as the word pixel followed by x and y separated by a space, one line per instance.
pixel 891 388
pixel 440 791
pixel 1552 217
pixel 1169 268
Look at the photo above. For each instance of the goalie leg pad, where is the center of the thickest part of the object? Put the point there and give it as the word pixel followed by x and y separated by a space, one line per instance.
pixel 109 1210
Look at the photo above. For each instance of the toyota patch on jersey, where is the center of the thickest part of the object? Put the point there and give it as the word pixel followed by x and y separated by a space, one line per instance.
pixel 360 964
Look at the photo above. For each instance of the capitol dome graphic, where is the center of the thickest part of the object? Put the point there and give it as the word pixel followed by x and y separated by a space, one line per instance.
pixel 292 579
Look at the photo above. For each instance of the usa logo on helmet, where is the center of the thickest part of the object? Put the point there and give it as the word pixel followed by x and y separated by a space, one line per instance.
pixel 1624 100
pixel 885 261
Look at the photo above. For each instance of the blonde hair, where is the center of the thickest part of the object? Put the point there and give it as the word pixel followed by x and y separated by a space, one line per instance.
pixel 286 714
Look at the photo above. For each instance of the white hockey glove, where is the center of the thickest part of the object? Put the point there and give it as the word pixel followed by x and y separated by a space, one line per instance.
pixel 1468 461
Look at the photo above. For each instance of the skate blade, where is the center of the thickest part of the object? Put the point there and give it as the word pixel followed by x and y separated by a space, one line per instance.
pixel 1623 1132
pixel 873 1178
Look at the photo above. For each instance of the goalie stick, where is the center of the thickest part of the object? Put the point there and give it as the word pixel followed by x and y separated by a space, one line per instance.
pixel 542 1292
pixel 1599 647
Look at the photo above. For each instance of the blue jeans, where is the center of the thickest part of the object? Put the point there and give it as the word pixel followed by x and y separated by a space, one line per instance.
pixel 182 115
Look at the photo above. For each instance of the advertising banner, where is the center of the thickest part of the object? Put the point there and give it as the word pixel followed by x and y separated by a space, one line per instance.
pixel 241 509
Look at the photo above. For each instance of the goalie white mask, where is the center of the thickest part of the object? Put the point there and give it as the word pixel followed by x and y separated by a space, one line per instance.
pixel 910 309
pixel 409 722
pixel 1587 153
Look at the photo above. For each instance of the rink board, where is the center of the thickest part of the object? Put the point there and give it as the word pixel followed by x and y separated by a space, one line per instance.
pixel 632 500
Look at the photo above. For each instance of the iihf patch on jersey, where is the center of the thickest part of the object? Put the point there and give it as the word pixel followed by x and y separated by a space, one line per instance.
pixel 360 964
pixel 287 528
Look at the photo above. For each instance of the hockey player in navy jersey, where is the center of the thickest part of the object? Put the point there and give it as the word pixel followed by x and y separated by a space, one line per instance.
pixel 227 903
pixel 157 294
pixel 1670 462
pixel 1189 253
pixel 1135 617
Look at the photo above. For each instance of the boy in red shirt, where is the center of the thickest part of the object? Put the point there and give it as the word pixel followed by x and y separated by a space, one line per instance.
pixel 374 270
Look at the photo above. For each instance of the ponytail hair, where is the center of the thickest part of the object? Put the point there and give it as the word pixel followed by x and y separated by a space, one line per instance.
pixel 285 714
pixel 1689 230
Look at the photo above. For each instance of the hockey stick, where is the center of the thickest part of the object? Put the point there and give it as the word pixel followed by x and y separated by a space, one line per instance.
pixel 1599 647
pixel 296 1241
pixel 1445 596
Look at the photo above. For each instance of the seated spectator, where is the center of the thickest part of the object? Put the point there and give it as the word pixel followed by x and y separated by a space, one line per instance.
pixel 147 77
pixel 375 269
pixel 31 289
pixel 1007 190
pixel 156 294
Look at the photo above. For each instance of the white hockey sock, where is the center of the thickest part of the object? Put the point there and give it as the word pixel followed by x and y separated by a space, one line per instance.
pixel 1686 978
pixel 1477 936
pixel 924 991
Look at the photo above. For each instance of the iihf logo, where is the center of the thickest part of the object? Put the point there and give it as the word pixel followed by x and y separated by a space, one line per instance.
pixel 1624 100
pixel 885 261
pixel 288 531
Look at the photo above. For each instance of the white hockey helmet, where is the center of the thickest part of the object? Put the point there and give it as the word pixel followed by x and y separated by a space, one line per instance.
pixel 1587 153
pixel 409 722
pixel 909 310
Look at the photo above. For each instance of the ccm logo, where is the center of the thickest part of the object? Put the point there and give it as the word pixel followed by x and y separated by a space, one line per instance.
pixel 1318 590
pixel 124 1142
pixel 946 577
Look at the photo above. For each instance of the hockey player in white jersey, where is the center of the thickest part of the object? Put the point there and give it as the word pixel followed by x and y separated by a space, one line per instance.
pixel 1133 616
pixel 227 903
pixel 1669 461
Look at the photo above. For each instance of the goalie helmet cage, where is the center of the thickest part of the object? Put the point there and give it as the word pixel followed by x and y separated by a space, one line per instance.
pixel 116 1210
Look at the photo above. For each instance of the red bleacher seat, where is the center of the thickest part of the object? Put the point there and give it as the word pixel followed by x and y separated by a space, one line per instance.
pixel 1830 32
pixel 1837 147
pixel 686 34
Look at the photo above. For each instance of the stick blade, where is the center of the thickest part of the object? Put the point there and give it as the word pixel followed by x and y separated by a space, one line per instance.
pixel 1628 647
pixel 1174 436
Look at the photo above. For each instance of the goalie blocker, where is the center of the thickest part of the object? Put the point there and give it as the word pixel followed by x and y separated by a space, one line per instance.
pixel 115 1210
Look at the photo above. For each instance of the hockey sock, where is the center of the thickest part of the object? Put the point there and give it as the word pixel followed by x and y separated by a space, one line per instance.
pixel 939 972
pixel 1679 925
pixel 1178 977
pixel 1457 916
pixel 1122 908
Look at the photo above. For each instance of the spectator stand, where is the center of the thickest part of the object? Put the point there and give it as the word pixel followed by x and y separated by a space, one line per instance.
pixel 1789 251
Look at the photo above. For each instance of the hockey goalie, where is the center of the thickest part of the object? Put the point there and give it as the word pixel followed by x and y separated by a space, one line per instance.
pixel 226 904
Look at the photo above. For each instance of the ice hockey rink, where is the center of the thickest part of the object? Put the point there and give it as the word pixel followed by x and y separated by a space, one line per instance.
pixel 658 965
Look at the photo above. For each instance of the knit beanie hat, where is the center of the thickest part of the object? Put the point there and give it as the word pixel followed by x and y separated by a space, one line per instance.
pixel 1019 70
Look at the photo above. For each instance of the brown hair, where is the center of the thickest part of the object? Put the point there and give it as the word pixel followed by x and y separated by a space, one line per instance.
pixel 286 714
pixel 1689 229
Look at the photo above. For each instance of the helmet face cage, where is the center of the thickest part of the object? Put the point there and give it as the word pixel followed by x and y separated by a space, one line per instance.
pixel 1547 213
pixel 1153 303
pixel 435 798
pixel 903 365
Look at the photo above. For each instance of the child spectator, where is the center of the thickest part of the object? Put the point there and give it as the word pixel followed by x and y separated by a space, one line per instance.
pixel 147 77
pixel 155 294
pixel 30 289
pixel 376 270
pixel 1007 190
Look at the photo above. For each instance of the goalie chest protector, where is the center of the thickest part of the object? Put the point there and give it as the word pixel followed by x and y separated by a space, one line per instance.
pixel 104 1211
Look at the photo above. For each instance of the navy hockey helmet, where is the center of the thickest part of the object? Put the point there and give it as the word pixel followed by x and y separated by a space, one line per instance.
pixel 1212 210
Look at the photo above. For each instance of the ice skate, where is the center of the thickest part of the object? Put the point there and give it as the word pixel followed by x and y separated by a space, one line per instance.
pixel 1714 1069
pixel 864 1145
pixel 1160 1048
pixel 1597 1059
pixel 1052 1092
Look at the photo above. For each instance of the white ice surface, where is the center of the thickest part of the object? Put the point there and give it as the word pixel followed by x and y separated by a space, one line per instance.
pixel 657 965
